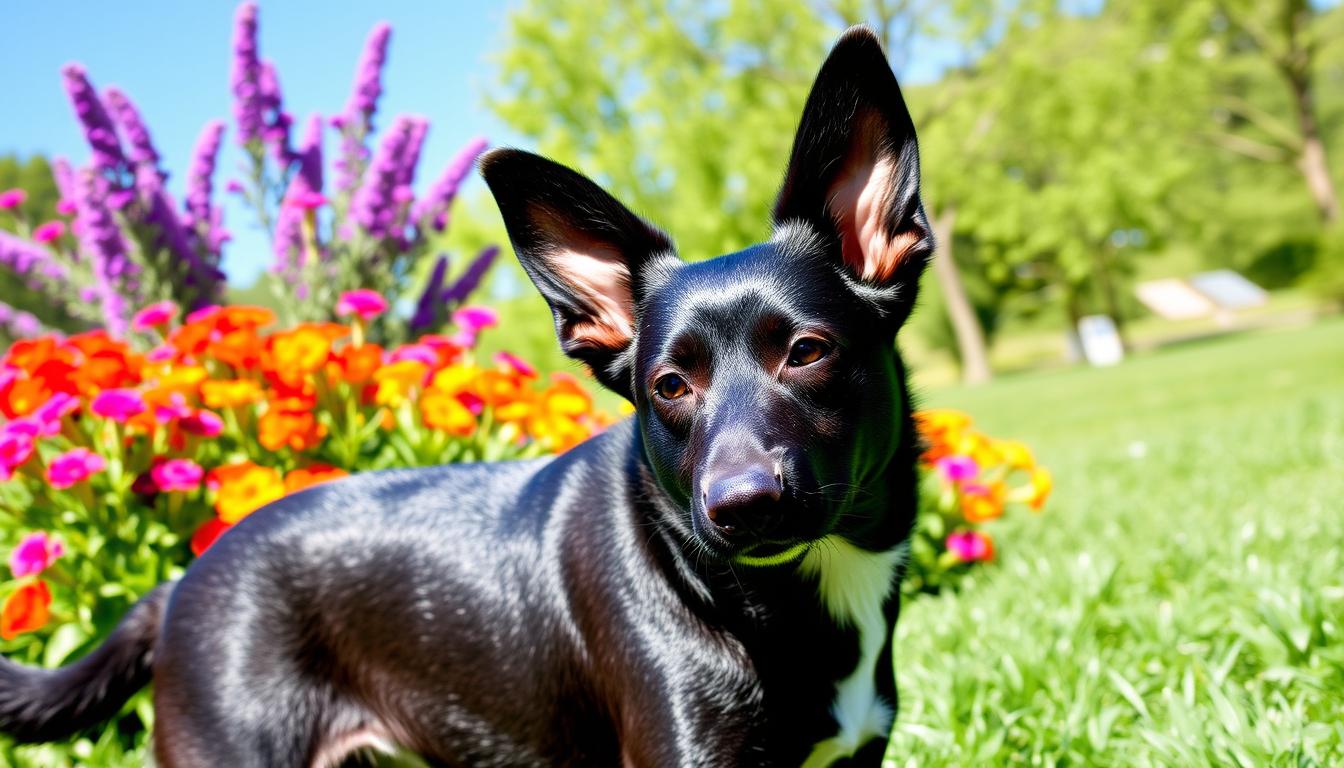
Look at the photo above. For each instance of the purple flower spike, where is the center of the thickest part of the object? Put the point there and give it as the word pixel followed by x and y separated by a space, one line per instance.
pixel 432 210
pixel 28 260
pixel 102 243
pixel 276 120
pixel 99 130
pixel 18 324
pixel 64 177
pixel 376 206
pixel 304 194
pixel 427 308
pixel 132 127
pixel 200 178
pixel 472 277
pixel 368 79
pixel 245 79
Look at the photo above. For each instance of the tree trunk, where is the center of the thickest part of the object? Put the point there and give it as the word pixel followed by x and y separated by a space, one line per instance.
pixel 971 347
pixel 1312 162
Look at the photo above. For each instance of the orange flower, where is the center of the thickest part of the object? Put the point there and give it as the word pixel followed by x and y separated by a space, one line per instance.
pixel 240 349
pixel 307 477
pixel 25 610
pixel 355 365
pixel 498 389
pixel 396 380
pixel 243 488
pixel 230 393
pixel 186 379
pixel 207 534
pixel 941 429
pixel 241 316
pixel 441 410
pixel 282 425
pixel 982 502
pixel 1037 489
pixel 22 396
pixel 294 354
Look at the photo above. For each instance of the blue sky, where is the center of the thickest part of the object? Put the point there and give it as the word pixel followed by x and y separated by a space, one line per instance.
pixel 173 59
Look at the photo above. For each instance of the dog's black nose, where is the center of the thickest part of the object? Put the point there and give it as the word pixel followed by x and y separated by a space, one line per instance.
pixel 744 501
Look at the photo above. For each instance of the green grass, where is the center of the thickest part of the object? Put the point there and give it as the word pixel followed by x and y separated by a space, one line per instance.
pixel 1181 601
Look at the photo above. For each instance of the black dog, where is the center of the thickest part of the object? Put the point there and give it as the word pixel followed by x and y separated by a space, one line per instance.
pixel 712 582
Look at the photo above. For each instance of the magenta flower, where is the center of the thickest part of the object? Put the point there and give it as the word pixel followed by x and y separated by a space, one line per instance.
pixel 50 413
pixel 475 318
pixel 177 475
pixel 957 469
pixel 119 405
pixel 971 546
pixel 202 423
pixel 516 364
pixel 16 445
pixel 159 313
pixel 364 302
pixel 12 198
pixel 176 408
pixel 48 231
pixel 74 466
pixel 36 553
pixel 421 353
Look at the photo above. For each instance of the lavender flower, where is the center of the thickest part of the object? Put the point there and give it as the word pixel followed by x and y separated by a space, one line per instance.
pixel 432 209
pixel 248 107
pixel 427 308
pixel 368 86
pixel 200 181
pixel 98 127
pixel 64 177
pixel 19 324
pixel 356 123
pixel 379 204
pixel 304 195
pixel 277 121
pixel 472 277
pixel 102 242
pixel 132 127
pixel 30 261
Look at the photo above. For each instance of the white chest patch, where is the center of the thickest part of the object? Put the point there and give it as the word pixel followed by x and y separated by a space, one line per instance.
pixel 854 584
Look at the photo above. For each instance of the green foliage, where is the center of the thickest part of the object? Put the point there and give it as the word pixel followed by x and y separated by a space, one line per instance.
pixel 1182 605
pixel 34 177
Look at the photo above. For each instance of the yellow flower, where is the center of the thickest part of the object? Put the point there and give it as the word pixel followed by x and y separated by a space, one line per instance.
pixel 230 393
pixel 243 488
pixel 441 410
pixel 396 380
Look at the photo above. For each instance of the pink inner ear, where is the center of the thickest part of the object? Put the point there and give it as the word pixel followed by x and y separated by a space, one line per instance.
pixel 859 201
pixel 601 281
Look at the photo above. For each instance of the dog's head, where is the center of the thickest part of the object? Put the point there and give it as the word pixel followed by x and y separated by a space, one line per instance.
pixel 766 382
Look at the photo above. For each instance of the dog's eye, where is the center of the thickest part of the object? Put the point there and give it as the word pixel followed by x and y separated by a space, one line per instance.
pixel 807 351
pixel 671 387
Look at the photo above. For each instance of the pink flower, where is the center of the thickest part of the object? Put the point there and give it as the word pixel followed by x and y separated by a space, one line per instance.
pixel 957 469
pixel 160 313
pixel 475 319
pixel 51 230
pixel 35 554
pixel 235 187
pixel 419 352
pixel 364 302
pixel 177 475
pixel 16 445
pixel 161 354
pixel 12 198
pixel 50 413
pixel 516 364
pixel 971 546
pixel 119 405
pixel 176 408
pixel 74 466
pixel 66 207
pixel 204 313
pixel 203 423
pixel 306 200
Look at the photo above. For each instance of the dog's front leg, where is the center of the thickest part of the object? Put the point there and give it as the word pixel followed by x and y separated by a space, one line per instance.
pixel 693 713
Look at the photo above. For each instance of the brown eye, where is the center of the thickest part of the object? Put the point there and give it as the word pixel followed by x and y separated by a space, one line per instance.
pixel 807 351
pixel 671 387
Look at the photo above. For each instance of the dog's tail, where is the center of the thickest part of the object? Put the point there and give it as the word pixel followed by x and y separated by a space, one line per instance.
pixel 53 704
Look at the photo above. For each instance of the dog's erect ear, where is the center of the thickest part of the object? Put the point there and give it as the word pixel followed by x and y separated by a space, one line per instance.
pixel 854 170
pixel 582 249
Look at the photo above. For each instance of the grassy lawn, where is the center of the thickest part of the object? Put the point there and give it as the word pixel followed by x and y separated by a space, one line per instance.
pixel 1181 601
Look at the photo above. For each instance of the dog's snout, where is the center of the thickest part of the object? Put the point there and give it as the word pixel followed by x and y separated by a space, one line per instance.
pixel 745 500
